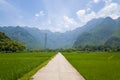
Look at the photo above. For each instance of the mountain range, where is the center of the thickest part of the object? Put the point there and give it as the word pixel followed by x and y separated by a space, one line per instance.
pixel 101 31
pixel 107 32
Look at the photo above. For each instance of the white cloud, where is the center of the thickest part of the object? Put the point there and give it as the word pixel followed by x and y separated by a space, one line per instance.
pixel 84 17
pixel 112 10
pixel 65 23
pixel 49 22
pixel 96 1
pixel 62 23
pixel 58 29
pixel 88 9
pixel 90 16
pixel 59 23
pixel 81 12
pixel 68 22
pixel 107 2
pixel 41 13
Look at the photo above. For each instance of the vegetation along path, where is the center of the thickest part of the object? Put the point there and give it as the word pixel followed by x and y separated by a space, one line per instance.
pixel 58 69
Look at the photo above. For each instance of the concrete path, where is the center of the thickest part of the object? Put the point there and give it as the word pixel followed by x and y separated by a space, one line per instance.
pixel 58 69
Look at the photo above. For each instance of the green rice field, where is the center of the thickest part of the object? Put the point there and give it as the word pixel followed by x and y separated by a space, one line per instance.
pixel 96 65
pixel 91 65
pixel 13 66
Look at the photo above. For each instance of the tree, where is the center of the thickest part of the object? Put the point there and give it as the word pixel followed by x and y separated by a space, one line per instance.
pixel 9 45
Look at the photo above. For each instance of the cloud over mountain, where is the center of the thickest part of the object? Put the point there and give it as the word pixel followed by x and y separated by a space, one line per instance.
pixel 55 15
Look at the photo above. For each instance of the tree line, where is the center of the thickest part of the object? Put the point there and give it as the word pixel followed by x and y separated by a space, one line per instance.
pixel 89 48
pixel 104 48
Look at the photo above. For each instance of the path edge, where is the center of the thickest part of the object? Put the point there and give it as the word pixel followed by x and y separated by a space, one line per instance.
pixel 74 68
pixel 28 76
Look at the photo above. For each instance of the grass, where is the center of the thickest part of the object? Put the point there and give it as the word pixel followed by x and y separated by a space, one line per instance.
pixel 16 65
pixel 96 65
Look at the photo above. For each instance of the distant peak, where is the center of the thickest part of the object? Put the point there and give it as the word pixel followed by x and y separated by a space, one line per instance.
pixel 108 18
pixel 118 18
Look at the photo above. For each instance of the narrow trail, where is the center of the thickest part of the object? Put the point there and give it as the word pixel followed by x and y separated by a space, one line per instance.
pixel 58 69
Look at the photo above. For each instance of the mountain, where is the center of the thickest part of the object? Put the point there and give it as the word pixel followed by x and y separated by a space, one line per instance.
pixel 61 40
pixel 19 34
pixel 101 34
pixel 95 32
pixel 113 41
pixel 34 38
pixel 54 40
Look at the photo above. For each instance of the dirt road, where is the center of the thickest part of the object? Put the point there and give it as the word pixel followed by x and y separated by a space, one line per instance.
pixel 58 69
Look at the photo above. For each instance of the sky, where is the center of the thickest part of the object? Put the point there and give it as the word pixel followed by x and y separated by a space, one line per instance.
pixel 55 15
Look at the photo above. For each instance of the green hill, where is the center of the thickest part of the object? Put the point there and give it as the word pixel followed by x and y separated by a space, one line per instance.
pixel 9 45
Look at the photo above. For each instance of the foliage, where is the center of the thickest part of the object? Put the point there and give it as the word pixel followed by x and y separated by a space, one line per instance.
pixel 8 45
pixel 97 65
pixel 89 48
pixel 104 48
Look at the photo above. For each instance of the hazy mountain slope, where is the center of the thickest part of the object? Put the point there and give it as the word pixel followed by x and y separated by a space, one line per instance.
pixel 35 38
pixel 54 40
pixel 113 41
pixel 20 34
pixel 95 32
pixel 61 40
pixel 38 35
pixel 100 33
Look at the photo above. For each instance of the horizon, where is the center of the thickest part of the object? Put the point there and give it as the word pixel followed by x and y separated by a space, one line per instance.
pixel 55 31
pixel 56 16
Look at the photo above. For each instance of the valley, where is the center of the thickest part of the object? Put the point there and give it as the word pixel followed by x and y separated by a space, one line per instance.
pixel 96 32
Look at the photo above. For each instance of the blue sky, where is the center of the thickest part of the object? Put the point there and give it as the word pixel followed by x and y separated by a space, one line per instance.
pixel 55 15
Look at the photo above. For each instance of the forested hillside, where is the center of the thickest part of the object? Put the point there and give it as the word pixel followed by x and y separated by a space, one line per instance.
pixel 9 45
